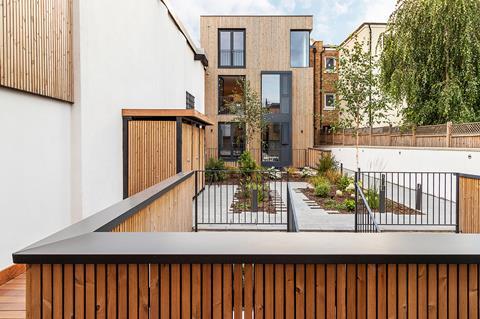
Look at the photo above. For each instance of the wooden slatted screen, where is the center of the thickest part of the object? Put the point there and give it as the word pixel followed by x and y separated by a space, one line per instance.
pixel 469 193
pixel 172 212
pixel 254 291
pixel 36 47
pixel 152 153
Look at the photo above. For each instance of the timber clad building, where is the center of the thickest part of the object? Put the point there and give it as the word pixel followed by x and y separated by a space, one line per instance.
pixel 272 53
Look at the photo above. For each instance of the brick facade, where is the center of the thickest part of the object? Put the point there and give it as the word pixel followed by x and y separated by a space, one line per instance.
pixel 323 83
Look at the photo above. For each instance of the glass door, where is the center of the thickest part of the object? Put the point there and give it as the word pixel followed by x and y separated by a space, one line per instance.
pixel 276 137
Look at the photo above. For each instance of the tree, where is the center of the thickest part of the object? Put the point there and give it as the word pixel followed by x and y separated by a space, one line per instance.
pixel 359 97
pixel 249 112
pixel 431 60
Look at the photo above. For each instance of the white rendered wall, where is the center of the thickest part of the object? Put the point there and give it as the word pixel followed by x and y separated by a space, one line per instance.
pixel 34 170
pixel 131 55
pixel 410 159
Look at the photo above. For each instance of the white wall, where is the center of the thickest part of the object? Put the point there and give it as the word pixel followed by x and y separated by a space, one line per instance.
pixel 34 170
pixel 131 55
pixel 410 159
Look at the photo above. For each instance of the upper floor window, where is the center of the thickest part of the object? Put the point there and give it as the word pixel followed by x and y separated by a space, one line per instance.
pixel 329 101
pixel 299 49
pixel 190 101
pixel 230 90
pixel 330 64
pixel 231 48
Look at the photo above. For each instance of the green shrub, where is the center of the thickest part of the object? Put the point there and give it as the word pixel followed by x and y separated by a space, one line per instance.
pixel 262 191
pixel 373 199
pixel 327 163
pixel 246 163
pixel 215 170
pixel 318 180
pixel 349 205
pixel 343 183
pixel 323 188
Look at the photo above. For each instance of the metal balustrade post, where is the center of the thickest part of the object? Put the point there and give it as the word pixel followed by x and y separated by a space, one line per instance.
pixel 382 195
pixel 457 206
pixel 196 201
pixel 356 200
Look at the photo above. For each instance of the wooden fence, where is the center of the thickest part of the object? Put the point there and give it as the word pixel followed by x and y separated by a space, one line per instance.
pixel 448 135
pixel 469 203
pixel 253 291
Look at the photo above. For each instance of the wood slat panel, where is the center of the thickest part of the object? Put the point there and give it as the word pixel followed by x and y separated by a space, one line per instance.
pixel 267 291
pixel 36 47
pixel 469 193
pixel 170 212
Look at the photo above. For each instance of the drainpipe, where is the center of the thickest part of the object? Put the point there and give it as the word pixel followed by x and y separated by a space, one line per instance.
pixel 370 120
pixel 314 91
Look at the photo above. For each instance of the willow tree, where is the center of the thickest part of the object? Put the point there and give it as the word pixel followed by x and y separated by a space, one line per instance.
pixel 358 88
pixel 431 60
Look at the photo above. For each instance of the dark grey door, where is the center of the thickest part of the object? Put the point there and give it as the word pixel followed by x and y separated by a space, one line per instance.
pixel 277 136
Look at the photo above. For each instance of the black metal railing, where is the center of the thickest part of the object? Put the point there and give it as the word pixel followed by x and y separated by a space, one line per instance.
pixel 364 218
pixel 420 200
pixel 236 198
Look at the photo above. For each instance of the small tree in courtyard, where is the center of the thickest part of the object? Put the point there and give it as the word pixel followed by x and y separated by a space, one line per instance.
pixel 249 112
pixel 359 98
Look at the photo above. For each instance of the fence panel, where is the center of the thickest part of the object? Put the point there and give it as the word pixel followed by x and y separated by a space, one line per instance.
pixel 246 290
pixel 469 199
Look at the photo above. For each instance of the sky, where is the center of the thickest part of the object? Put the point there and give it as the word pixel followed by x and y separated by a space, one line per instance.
pixel 334 20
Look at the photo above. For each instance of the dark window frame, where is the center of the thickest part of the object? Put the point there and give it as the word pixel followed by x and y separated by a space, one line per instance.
pixel 231 66
pixel 327 70
pixel 190 101
pixel 219 97
pixel 290 51
pixel 232 157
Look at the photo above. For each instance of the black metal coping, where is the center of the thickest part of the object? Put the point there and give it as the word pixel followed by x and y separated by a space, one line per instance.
pixel 243 247
pixel 114 215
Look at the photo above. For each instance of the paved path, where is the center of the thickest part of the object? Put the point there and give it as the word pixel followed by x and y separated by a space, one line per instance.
pixel 310 219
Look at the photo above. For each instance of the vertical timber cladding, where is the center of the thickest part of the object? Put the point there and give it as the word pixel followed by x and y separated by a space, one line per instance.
pixel 152 153
pixel 36 47
pixel 469 206
pixel 267 49
pixel 253 291
pixel 158 149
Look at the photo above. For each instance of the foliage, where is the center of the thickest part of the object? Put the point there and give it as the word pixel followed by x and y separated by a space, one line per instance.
pixel 247 164
pixel 326 163
pixel 261 188
pixel 249 113
pixel 322 188
pixel 373 199
pixel 343 182
pixel 308 172
pixel 215 170
pixel 431 60
pixel 317 180
pixel 349 204
pixel 291 171
pixel 272 173
pixel 358 88
pixel 333 176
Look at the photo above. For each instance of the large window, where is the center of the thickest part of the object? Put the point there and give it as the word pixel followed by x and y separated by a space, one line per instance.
pixel 230 91
pixel 299 49
pixel 276 95
pixel 231 141
pixel 271 92
pixel 231 48
pixel 271 143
